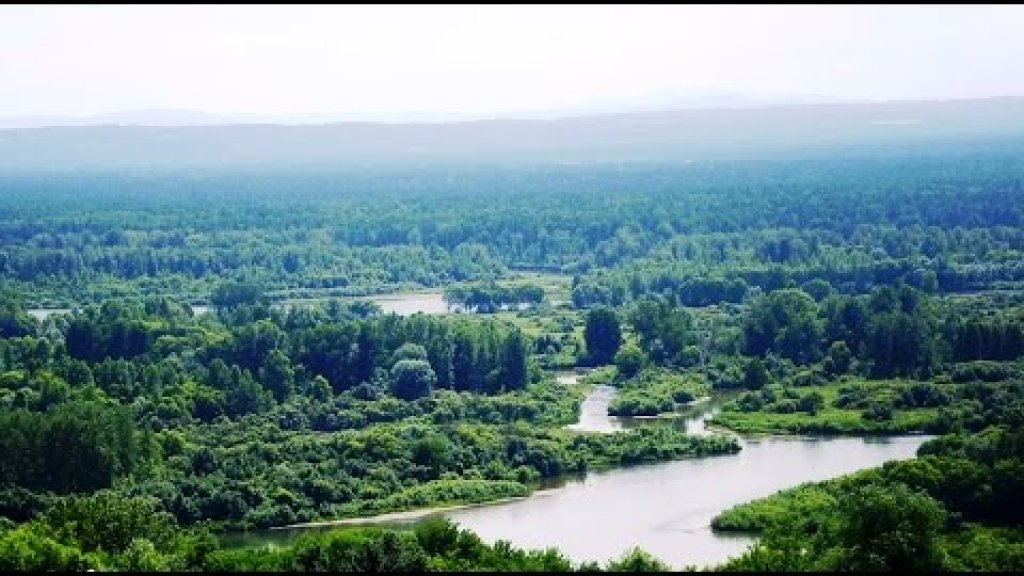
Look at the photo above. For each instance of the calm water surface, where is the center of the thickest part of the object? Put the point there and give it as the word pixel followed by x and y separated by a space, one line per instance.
pixel 44 313
pixel 664 508
pixel 667 508
pixel 408 304
pixel 401 304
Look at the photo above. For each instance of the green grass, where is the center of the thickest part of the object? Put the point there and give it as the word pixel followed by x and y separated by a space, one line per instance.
pixel 981 548
pixel 437 493
pixel 811 499
pixel 657 391
pixel 600 376
pixel 557 287
pixel 830 419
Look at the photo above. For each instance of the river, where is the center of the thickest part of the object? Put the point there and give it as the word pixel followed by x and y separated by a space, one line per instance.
pixel 666 508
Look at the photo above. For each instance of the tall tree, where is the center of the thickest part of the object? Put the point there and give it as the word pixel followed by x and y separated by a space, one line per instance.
pixel 603 335
pixel 513 361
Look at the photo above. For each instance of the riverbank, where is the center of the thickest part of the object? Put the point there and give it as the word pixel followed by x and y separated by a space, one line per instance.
pixel 577 455
pixel 632 449
pixel 828 422
pixel 398 517
pixel 652 505
pixel 679 412
pixel 667 508
pixel 851 406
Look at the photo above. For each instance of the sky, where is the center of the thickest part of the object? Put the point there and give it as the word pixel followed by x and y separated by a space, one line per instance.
pixel 380 59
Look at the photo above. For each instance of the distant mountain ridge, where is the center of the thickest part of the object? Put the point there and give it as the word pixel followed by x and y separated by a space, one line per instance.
pixel 154 117
pixel 179 117
pixel 625 136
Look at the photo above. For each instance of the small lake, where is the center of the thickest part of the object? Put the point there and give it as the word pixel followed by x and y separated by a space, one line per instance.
pixel 405 304
pixel 408 304
pixel 41 314
pixel 666 508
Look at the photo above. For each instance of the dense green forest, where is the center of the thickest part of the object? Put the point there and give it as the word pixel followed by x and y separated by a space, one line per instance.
pixel 955 507
pixel 862 295
pixel 623 230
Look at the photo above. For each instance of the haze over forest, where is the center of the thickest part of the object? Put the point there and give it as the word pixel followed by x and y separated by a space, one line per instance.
pixel 275 274
pixel 675 135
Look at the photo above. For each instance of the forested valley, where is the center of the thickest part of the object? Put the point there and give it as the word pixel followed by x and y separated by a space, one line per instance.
pixel 189 354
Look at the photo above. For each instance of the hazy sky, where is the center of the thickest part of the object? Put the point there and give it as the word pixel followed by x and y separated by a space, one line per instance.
pixel 473 59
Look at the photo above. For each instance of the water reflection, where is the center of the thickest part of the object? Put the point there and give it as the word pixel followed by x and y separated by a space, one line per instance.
pixel 667 508
pixel 664 508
